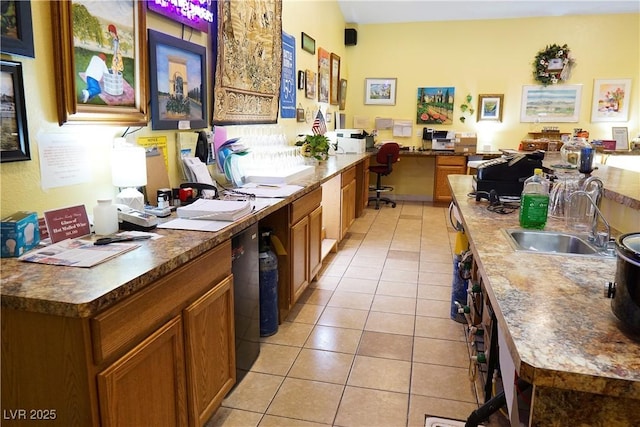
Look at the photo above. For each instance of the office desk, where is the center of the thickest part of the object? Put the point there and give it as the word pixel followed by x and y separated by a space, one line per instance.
pixel 421 175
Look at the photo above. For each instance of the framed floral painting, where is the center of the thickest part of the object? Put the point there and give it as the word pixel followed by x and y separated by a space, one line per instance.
pixel 611 100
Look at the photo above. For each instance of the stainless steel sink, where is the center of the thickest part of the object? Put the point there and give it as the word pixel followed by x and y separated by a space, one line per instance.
pixel 553 242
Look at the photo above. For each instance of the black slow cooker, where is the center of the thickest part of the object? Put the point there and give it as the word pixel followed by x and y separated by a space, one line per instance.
pixel 626 300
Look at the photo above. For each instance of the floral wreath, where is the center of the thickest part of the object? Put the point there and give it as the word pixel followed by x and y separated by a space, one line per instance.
pixel 553 64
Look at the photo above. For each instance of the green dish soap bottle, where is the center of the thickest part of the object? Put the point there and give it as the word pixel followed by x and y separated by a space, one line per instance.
pixel 534 202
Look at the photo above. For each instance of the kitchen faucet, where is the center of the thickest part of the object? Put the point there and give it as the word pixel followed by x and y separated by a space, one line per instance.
pixel 594 236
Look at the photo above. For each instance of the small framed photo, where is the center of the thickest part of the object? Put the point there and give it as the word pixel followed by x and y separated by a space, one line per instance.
pixel 490 107
pixel 310 84
pixel 621 136
pixel 555 64
pixel 14 136
pixel 611 99
pixel 178 82
pixel 308 43
pixel 380 91
pixel 301 80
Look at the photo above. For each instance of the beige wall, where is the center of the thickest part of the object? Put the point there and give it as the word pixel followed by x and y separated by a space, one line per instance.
pixel 475 57
pixel 493 57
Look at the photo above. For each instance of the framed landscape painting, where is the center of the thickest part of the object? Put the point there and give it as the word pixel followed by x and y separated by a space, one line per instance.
pixel 101 61
pixel 178 81
pixel 17 31
pixel 435 105
pixel 550 104
pixel 380 91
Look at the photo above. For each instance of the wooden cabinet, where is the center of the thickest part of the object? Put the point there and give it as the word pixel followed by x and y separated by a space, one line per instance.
pixel 445 166
pixel 163 356
pixel 298 226
pixel 210 351
pixel 362 186
pixel 347 200
pixel 299 258
pixel 147 385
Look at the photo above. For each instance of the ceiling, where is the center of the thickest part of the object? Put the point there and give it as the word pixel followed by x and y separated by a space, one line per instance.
pixel 395 11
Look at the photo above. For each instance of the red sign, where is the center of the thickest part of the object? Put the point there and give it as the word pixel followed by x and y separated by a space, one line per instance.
pixel 67 223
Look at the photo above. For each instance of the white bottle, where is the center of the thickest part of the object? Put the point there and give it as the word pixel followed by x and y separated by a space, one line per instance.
pixel 105 218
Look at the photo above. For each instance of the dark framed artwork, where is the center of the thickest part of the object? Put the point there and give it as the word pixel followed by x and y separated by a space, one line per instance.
pixel 248 62
pixel 14 141
pixel 324 69
pixel 334 79
pixel 17 31
pixel 178 81
pixel 308 43
pixel 101 64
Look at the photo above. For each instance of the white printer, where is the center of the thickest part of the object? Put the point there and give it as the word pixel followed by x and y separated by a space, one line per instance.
pixel 351 141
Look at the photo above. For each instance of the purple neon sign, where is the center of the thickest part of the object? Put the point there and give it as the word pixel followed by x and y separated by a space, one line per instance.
pixel 193 13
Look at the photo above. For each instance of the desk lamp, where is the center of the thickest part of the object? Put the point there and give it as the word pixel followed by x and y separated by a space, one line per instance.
pixel 129 171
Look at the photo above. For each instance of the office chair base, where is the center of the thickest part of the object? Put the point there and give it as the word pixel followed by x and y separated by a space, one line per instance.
pixel 379 199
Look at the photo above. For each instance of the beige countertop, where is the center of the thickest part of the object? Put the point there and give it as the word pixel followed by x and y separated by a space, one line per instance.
pixel 83 292
pixel 559 327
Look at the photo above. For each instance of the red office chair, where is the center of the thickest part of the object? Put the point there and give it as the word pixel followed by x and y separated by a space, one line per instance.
pixel 387 155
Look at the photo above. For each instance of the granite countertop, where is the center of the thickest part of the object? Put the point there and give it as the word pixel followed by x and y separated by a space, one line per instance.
pixel 559 327
pixel 83 292
pixel 620 185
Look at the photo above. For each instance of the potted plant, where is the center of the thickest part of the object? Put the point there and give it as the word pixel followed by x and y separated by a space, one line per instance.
pixel 315 146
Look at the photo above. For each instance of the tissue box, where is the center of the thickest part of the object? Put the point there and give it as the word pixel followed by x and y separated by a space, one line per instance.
pixel 20 233
pixel 465 142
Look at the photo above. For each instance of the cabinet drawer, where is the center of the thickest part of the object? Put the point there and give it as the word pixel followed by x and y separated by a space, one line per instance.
pixel 348 176
pixel 451 160
pixel 305 204
pixel 127 323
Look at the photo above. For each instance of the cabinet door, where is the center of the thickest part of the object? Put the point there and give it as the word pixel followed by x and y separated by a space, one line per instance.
pixel 454 165
pixel 299 258
pixel 210 351
pixel 348 203
pixel 315 242
pixel 147 385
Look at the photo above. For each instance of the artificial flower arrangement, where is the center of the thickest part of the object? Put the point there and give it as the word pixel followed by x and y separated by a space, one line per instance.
pixel 553 65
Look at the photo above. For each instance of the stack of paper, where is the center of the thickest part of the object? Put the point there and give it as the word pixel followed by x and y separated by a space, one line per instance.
pixel 218 210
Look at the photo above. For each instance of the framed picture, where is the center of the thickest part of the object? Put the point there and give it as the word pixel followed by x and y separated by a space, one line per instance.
pixel 101 62
pixel 324 71
pixel 490 107
pixel 550 104
pixel 334 78
pixel 178 80
pixel 611 100
pixel 621 136
pixel 343 94
pixel 301 79
pixel 380 91
pixel 435 105
pixel 17 31
pixel 310 84
pixel 14 141
pixel 248 62
pixel 308 44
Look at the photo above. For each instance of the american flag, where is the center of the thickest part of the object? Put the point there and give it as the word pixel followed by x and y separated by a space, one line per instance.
pixel 319 126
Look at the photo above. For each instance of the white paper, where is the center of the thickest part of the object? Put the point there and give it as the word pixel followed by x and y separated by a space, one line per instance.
pixel 270 190
pixel 64 160
pixel 361 122
pixel 383 123
pixel 402 128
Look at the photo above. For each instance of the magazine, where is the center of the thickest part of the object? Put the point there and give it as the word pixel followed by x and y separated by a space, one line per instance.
pixel 76 253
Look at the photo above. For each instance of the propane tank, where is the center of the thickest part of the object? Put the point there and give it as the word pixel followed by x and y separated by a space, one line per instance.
pixel 268 285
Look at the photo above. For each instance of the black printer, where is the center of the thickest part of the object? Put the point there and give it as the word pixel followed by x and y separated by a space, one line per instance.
pixel 506 174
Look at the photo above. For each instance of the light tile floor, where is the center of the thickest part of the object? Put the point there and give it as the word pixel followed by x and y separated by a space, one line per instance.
pixel 371 342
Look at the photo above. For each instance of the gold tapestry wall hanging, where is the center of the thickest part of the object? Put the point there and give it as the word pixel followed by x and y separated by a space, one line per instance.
pixel 248 62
